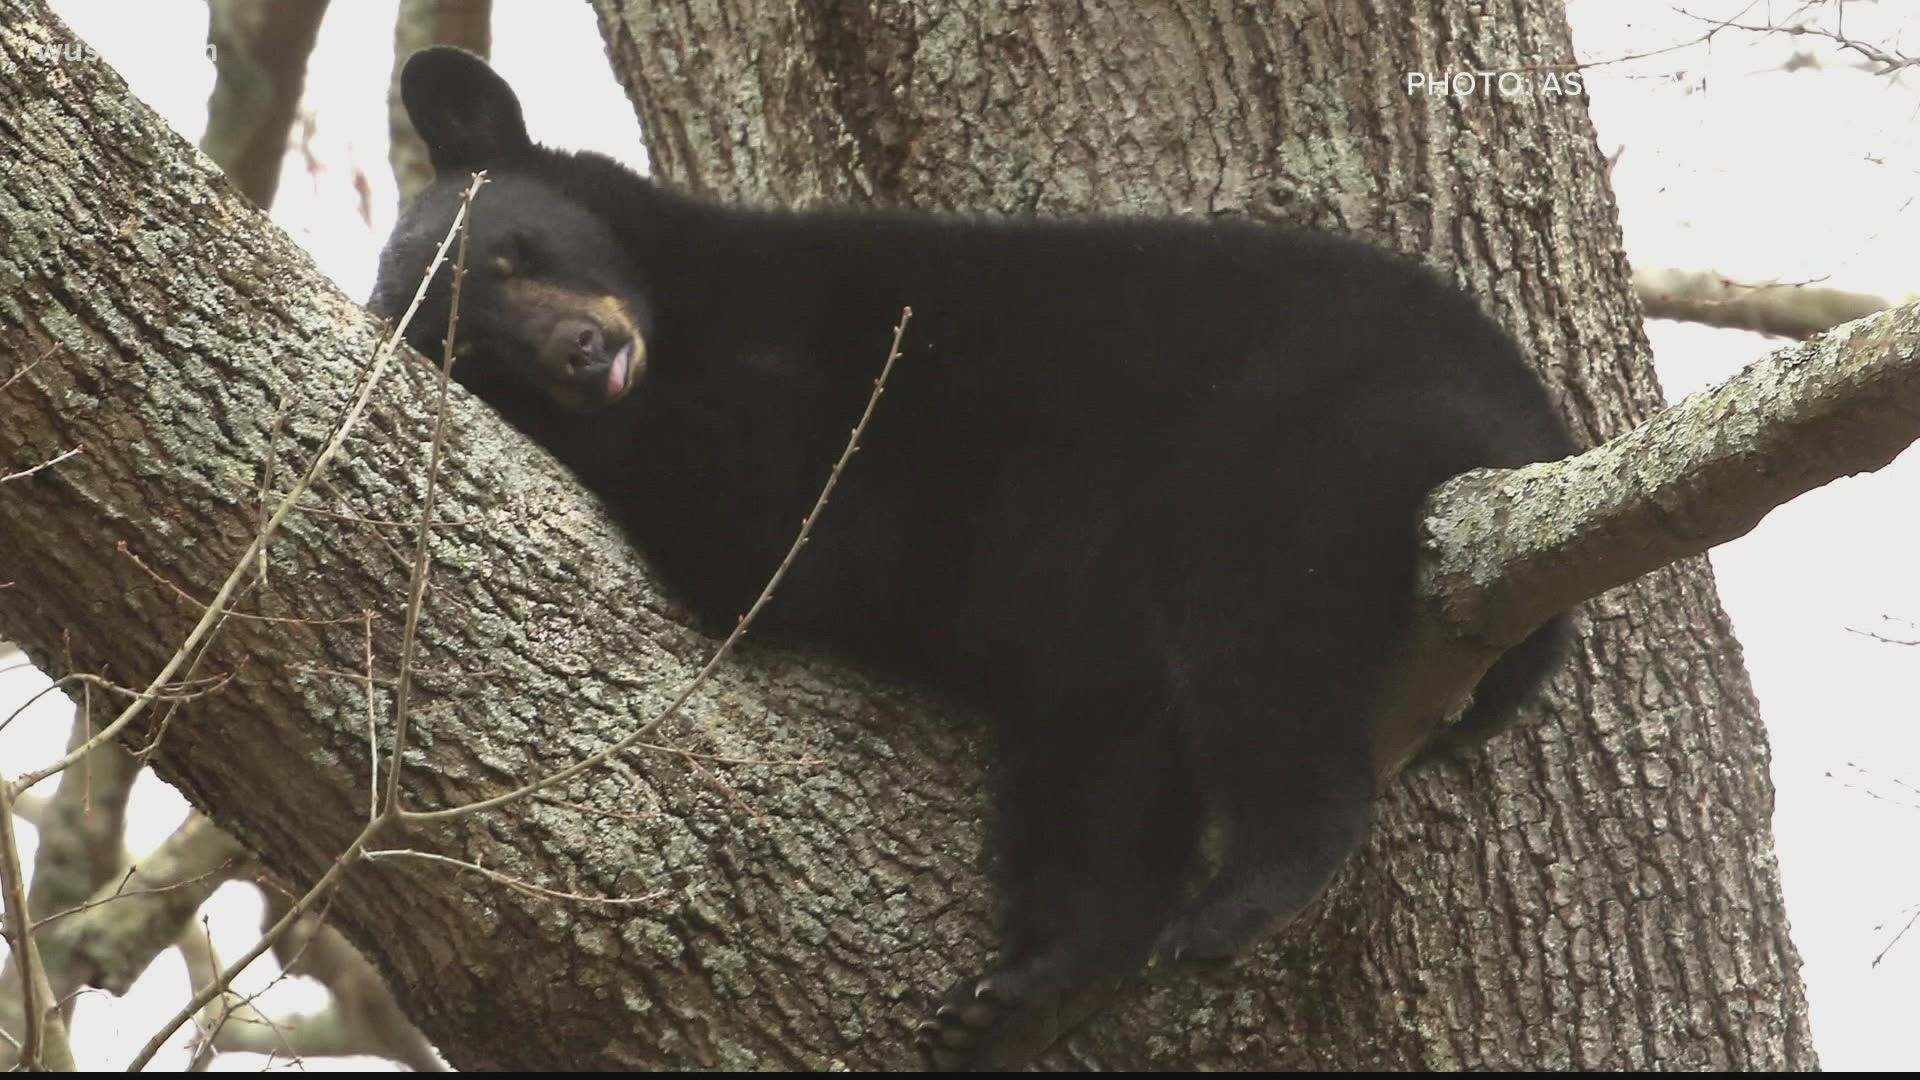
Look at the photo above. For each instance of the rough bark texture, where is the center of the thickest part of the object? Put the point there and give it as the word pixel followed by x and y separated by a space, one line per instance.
pixel 1701 472
pixel 1599 892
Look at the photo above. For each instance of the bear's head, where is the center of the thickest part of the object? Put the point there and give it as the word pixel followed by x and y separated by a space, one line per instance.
pixel 551 311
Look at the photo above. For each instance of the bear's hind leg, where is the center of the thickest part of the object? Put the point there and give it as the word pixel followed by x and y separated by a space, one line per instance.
pixel 1279 668
pixel 1097 827
pixel 1292 817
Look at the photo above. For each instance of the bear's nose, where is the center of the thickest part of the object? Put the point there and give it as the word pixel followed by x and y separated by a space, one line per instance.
pixel 575 345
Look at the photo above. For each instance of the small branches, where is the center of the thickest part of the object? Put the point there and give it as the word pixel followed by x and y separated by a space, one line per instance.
pixel 390 811
pixel 1878 61
pixel 509 880
pixel 385 807
pixel 47 464
pixel 28 366
pixel 416 598
pixel 323 887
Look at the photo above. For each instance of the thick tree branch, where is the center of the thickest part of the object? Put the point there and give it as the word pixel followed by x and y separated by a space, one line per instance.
pixel 364 1014
pixel 109 941
pixel 1507 549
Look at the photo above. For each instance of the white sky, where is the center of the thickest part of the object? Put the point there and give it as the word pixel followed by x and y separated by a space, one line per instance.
pixel 1729 164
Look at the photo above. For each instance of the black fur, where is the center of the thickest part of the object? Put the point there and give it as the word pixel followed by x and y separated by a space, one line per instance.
pixel 1143 490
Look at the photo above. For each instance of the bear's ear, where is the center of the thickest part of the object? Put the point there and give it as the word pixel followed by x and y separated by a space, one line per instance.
pixel 464 111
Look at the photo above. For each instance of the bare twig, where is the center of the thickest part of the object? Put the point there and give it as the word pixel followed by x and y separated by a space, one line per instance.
pixel 1886 62
pixel 1898 934
pixel 267 473
pixel 218 985
pixel 19 927
pixel 1628 58
pixel 181 692
pixel 1885 639
pixel 419 673
pixel 373 738
pixel 417 579
pixel 361 519
pixel 29 366
pixel 509 880
pixel 249 616
pixel 1904 795
pixel 323 887
pixel 209 879
pixel 47 464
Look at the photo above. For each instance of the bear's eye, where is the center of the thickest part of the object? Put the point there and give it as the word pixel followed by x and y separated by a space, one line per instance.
pixel 516 256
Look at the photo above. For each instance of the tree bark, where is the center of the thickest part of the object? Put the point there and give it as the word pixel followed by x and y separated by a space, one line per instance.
pixel 1611 865
pixel 1598 892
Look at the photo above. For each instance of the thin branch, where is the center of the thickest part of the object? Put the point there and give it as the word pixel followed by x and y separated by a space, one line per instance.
pixel 180 692
pixel 188 597
pixel 417 578
pixel 373 737
pixel 1884 639
pixel 19 929
pixel 363 1017
pixel 509 880
pixel 362 519
pixel 47 464
pixel 419 673
pixel 212 878
pixel 324 886
pixel 29 366
pixel 1902 932
pixel 218 985
pixel 1887 62
pixel 267 473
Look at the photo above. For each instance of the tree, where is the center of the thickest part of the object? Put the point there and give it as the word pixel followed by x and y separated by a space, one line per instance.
pixel 1608 867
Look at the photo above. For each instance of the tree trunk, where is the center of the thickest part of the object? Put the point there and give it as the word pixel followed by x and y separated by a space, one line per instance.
pixel 1599 892
pixel 1611 865
pixel 260 53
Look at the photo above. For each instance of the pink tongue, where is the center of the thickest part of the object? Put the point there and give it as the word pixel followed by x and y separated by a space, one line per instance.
pixel 617 373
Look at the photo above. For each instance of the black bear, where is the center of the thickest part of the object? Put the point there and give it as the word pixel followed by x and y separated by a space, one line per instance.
pixel 1143 491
